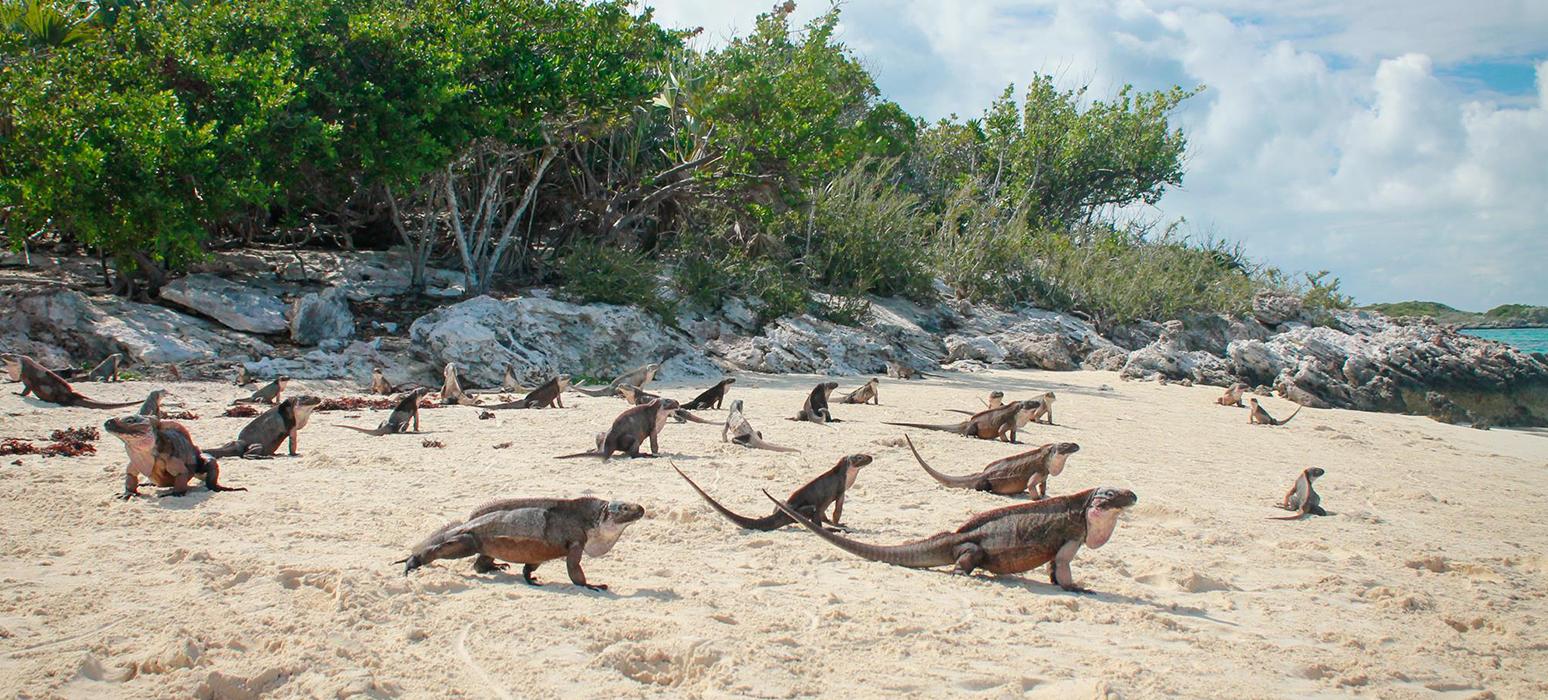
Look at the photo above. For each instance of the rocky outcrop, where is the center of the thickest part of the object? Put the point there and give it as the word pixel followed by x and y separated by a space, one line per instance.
pixel 538 337
pixel 319 317
pixel 1171 358
pixel 66 327
pixel 1274 308
pixel 246 305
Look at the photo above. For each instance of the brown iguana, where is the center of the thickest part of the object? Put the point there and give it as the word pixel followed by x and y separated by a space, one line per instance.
pixel 403 415
pixel 1006 540
pixel 742 433
pixel 637 377
pixel 992 424
pixel 48 386
pixel 105 371
pixel 631 429
pixel 1233 395
pixel 261 438
pixel 152 405
pixel 1261 417
pixel 865 394
pixel 163 452
pixel 1008 476
pixel 811 500
pixel 712 397
pixel 379 384
pixel 815 409
pixel 545 396
pixel 1302 498
pixel 530 532
pixel 268 393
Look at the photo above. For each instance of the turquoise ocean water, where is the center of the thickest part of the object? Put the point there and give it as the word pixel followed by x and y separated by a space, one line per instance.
pixel 1527 339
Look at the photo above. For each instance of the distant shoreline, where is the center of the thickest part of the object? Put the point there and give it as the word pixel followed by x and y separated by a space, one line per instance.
pixel 1512 327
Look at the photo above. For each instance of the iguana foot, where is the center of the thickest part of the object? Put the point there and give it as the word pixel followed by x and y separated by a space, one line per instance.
pixel 125 496
pixel 836 528
pixel 174 494
pixel 594 586
pixel 1078 589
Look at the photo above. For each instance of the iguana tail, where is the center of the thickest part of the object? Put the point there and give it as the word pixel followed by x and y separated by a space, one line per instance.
pixel 1298 408
pixel 948 427
pixel 83 402
pixel 374 431
pixel 604 391
pixel 935 551
pixel 956 482
pixel 773 521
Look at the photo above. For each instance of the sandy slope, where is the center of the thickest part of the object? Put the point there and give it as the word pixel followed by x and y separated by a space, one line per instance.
pixel 1429 580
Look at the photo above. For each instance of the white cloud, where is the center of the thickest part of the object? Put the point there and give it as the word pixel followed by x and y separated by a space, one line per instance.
pixel 1328 136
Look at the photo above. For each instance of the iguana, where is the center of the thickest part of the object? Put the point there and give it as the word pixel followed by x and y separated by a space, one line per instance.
pixel 163 452
pixel 261 438
pixel 811 500
pixel 48 386
pixel 1006 540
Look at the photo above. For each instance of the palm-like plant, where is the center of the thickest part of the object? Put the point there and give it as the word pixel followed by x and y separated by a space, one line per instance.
pixel 45 24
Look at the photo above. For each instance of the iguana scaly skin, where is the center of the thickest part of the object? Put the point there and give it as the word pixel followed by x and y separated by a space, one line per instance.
pixel 163 452
pixel 1233 395
pixel 530 532
pixel 48 386
pixel 379 384
pixel 1006 540
pixel 1008 476
pixel 811 500
pixel 261 438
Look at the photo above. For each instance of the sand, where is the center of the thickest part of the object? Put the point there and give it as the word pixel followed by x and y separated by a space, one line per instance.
pixel 1428 580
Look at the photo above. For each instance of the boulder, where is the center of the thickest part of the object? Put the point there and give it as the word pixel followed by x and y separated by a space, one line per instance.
pixel 244 305
pixel 1273 308
pixel 319 317
pixel 978 348
pixel 807 345
pixel 60 327
pixel 538 337
pixel 1037 350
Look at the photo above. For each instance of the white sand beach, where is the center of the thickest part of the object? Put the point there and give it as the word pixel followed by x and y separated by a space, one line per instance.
pixel 1429 579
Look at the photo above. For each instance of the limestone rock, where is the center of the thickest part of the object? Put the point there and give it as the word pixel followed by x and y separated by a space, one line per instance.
pixel 318 317
pixel 238 305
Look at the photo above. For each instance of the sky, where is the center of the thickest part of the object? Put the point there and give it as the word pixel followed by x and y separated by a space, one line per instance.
pixel 1400 144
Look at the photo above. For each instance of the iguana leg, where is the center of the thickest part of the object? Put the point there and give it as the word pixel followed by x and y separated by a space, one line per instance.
pixel 131 487
pixel 969 557
pixel 485 564
pixel 179 487
pixel 293 443
pixel 210 469
pixel 526 574
pixel 1059 569
pixel 572 562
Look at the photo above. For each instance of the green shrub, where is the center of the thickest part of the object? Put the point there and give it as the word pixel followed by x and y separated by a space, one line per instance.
pixel 595 273
pixel 863 235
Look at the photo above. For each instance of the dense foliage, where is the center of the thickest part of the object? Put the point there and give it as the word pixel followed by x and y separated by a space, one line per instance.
pixel 542 141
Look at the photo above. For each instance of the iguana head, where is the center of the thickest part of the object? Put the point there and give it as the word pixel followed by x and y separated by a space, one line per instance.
pixel 828 386
pixel 996 394
pixel 1065 448
pixel 563 381
pixel 1102 509
pixel 728 380
pixel 1314 472
pixel 669 405
pixel 304 405
pixel 132 429
pixel 616 516
pixel 12 365
pixel 736 405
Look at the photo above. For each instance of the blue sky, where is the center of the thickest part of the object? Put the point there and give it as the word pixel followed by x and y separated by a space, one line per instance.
pixel 1401 144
